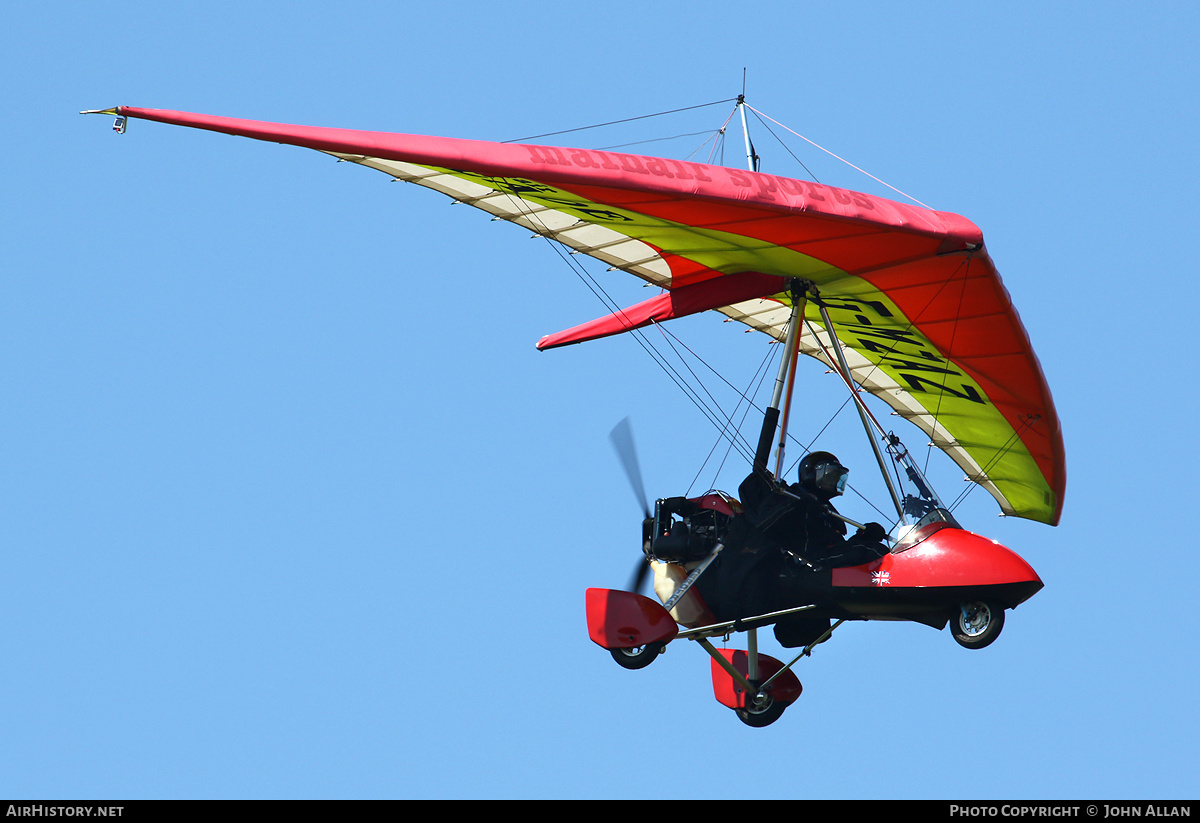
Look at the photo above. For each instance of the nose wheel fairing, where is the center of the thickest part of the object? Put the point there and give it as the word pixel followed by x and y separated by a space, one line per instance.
pixel 624 620
pixel 928 581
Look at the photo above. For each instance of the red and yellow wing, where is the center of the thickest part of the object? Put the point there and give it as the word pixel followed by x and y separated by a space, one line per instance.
pixel 925 320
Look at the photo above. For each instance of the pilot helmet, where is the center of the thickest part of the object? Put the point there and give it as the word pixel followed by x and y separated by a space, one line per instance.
pixel 820 472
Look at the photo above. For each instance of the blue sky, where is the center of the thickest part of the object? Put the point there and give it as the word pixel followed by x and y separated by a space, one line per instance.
pixel 291 507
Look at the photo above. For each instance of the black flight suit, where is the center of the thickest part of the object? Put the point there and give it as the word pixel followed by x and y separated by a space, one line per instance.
pixel 778 554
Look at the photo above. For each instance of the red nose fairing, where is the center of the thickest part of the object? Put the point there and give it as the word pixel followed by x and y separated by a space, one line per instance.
pixel 930 573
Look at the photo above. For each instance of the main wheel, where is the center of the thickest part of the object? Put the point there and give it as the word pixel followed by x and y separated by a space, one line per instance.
pixel 977 624
pixel 764 714
pixel 639 657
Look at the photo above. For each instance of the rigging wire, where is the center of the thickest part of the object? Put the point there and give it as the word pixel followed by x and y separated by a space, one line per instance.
pixel 616 122
pixel 808 447
pixel 864 413
pixel 744 395
pixel 765 372
pixel 785 145
pixel 742 444
pixel 759 376
pixel 657 140
pixel 736 439
pixel 644 341
pixel 1007 446
pixel 831 154
pixel 719 141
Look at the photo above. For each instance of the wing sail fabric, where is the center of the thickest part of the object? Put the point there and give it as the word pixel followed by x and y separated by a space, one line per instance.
pixel 923 316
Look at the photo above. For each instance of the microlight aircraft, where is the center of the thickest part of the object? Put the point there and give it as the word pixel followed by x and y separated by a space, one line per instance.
pixel 903 302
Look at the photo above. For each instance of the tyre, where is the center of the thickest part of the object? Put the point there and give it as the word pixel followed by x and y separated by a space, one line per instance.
pixel 763 714
pixel 976 625
pixel 639 657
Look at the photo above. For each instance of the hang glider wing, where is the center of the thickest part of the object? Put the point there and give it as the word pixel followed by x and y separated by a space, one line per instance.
pixel 926 324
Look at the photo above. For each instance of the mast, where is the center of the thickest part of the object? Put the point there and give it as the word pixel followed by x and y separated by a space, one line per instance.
pixel 751 157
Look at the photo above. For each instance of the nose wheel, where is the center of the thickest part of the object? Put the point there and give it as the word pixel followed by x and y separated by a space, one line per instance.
pixel 977 624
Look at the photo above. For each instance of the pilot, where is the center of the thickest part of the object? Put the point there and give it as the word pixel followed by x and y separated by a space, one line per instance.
pixel 801 521
pixel 785 533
